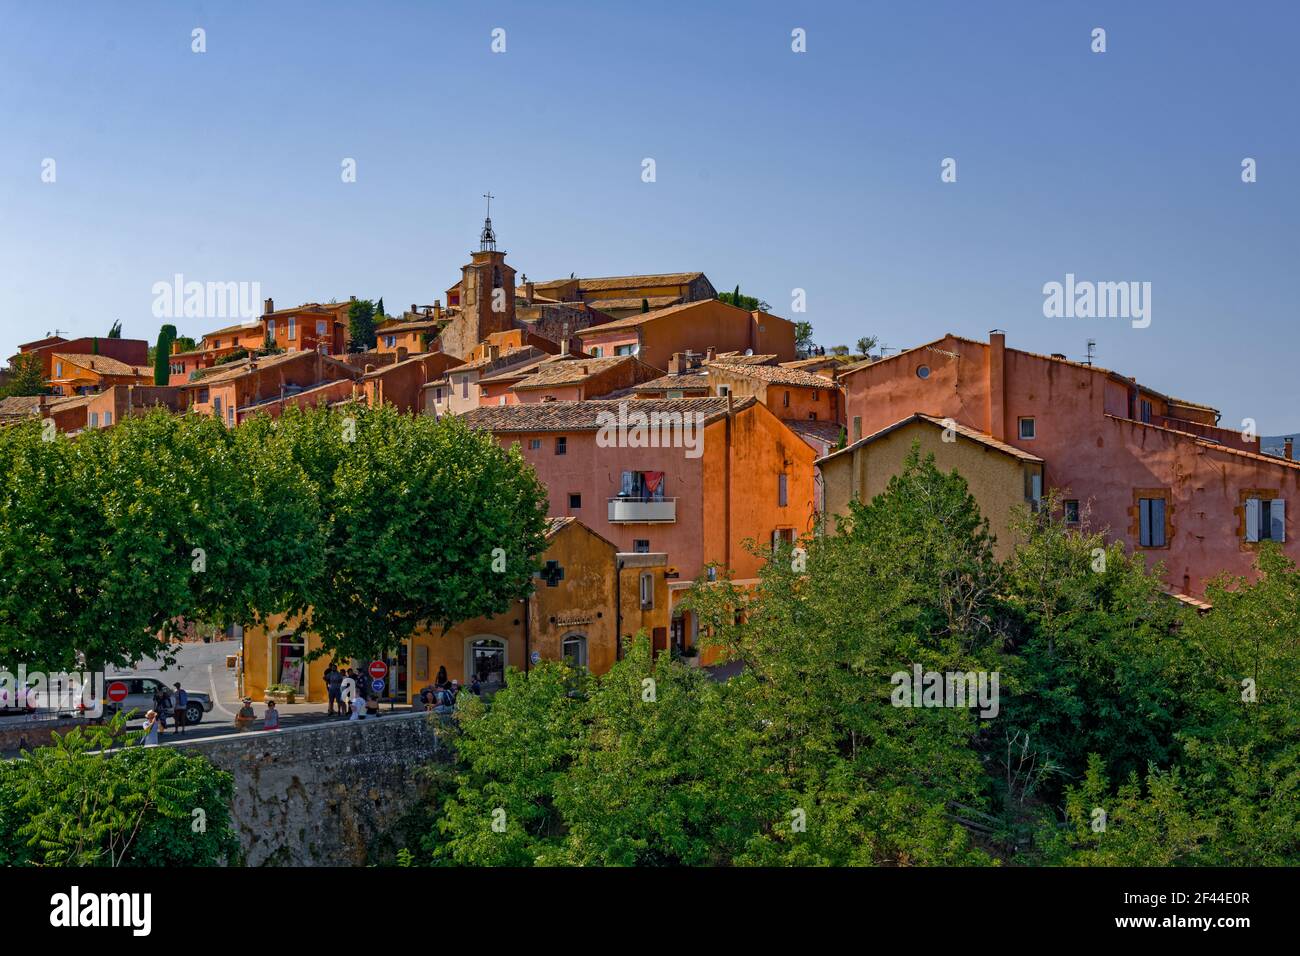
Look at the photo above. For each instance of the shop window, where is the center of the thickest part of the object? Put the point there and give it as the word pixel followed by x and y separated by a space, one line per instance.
pixel 574 649
pixel 289 665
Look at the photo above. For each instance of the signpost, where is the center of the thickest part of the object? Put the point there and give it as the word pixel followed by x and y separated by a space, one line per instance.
pixel 117 691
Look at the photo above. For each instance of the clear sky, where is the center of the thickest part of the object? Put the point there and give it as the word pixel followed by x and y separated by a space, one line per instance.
pixel 774 169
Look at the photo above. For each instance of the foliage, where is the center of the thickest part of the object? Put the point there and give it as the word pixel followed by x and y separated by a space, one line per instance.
pixel 83 801
pixel 747 302
pixel 162 355
pixel 361 325
pixel 866 344
pixel 803 337
pixel 115 330
pixel 26 377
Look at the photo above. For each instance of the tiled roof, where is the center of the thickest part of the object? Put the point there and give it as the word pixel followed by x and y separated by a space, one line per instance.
pixel 586 416
pixel 686 380
pixel 508 357
pixel 241 327
pixel 653 301
pixel 1213 445
pixel 572 371
pixel 610 283
pixel 740 358
pixel 102 364
pixel 982 438
pixel 822 431
pixel 776 375
pixel 632 321
pixel 415 325
pixel 233 370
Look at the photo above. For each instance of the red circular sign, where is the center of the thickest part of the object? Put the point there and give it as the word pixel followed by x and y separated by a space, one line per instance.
pixel 377 669
pixel 117 691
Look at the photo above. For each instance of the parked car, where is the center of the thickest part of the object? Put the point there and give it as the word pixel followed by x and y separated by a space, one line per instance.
pixel 139 697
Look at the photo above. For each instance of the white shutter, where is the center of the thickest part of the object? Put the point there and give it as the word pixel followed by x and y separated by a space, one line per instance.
pixel 1252 519
pixel 1277 519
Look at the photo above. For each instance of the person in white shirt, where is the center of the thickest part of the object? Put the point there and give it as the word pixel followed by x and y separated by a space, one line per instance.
pixel 358 708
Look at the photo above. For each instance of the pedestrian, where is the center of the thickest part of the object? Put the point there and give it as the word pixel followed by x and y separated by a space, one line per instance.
pixel 162 705
pixel 358 708
pixel 271 719
pixel 244 719
pixel 442 677
pixel 372 706
pixel 334 689
pixel 180 712
pixel 475 687
pixel 151 728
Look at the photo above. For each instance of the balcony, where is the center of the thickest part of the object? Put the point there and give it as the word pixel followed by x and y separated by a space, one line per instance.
pixel 642 510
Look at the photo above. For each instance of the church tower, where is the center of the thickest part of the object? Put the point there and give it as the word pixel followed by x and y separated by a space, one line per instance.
pixel 487 295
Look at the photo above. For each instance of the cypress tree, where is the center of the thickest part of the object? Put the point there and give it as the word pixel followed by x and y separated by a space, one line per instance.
pixel 162 355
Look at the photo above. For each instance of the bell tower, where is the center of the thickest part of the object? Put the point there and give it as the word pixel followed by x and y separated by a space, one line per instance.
pixel 487 294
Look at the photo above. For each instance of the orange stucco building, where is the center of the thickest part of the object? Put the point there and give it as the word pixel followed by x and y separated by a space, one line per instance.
pixel 1154 471
pixel 744 475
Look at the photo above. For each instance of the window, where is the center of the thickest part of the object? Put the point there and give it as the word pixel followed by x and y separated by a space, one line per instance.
pixel 641 546
pixel 675 393
pixel 108 419
pixel 575 500
pixel 437 396
pixel 322 328
pixel 94 420
pixel 642 485
pixel 1146 411
pixel 293 326
pixel 230 413
pixel 782 490
pixel 812 416
pixel 1033 486
pixel 216 405
pixel 390 341
pixel 647 591
pixel 1151 522
pixel 1265 519
pixel 625 350
pixel 782 536
pixel 1071 511
pixel 534 444
pixel 1028 429
pixel 216 343
pixel 289 651
pixel 596 351
pixel 923 371
pixel 270 328
pixel 724 391
pixel 575 651
pixel 58 370
pixel 562 445
pixel 785 400
pixel 464 386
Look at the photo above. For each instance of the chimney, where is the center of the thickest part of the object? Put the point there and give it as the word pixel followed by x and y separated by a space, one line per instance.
pixel 564 344
pixel 729 402
pixel 493 352
pixel 401 353
pixel 369 368
pixel 997 409
pixel 414 308
pixel 1288 448
pixel 176 348
pixel 528 292
pixel 437 308
pixel 352 298
pixel 708 355
pixel 268 306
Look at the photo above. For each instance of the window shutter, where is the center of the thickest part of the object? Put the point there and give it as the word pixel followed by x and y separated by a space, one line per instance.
pixel 1277 519
pixel 1158 522
pixel 1144 518
pixel 1252 519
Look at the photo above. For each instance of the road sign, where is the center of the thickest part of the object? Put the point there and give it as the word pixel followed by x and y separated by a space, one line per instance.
pixel 117 691
pixel 377 669
pixel 377 685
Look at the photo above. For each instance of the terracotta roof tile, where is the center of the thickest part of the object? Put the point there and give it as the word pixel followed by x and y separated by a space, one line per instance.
pixel 776 375
pixel 606 283
pixel 585 416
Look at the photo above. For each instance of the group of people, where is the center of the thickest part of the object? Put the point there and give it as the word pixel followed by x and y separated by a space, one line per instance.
pixel 345 691
pixel 167 703
pixel 440 696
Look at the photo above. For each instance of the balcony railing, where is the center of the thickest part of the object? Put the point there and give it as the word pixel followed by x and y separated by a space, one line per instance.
pixel 642 510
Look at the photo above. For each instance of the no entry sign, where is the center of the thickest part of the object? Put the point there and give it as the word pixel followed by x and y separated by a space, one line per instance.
pixel 117 691
pixel 377 669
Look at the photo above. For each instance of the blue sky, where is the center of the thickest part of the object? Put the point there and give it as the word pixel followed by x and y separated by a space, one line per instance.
pixel 775 170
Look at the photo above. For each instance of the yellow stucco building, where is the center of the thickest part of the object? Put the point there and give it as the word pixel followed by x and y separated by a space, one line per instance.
pixel 585 595
pixel 1000 477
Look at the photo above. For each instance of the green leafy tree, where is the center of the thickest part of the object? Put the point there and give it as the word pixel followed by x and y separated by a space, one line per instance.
pixel 803 337
pixel 162 355
pixel 81 802
pixel 26 377
pixel 910 580
pixel 361 325
pixel 747 302
pixel 428 523
pixel 866 344
pixel 839 350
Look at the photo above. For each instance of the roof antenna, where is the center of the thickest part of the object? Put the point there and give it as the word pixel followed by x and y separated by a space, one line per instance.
pixel 1092 348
